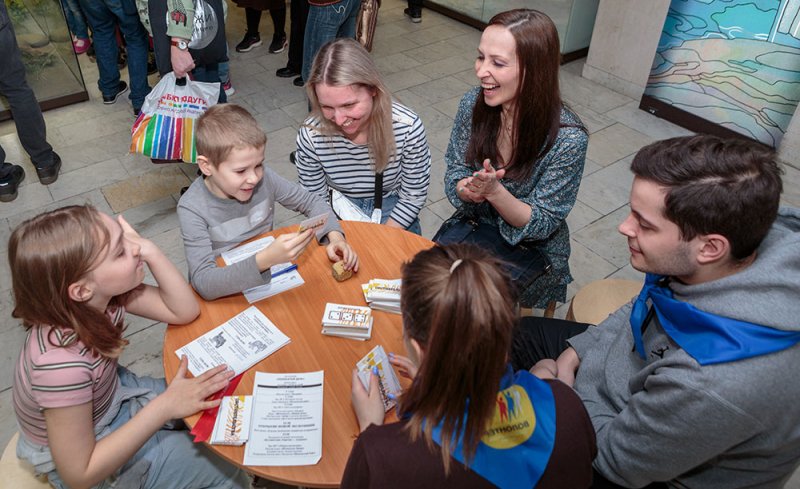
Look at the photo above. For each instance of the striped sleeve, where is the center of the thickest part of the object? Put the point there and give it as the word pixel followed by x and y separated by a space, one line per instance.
pixel 309 167
pixel 414 156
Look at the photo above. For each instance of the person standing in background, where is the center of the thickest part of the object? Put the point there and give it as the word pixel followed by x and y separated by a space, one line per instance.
pixel 28 118
pixel 327 20
pixel 252 14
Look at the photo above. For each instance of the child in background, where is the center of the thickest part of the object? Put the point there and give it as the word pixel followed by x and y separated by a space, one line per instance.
pixel 84 420
pixel 235 201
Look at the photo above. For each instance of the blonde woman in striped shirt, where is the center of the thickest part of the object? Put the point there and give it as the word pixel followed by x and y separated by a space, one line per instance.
pixel 356 131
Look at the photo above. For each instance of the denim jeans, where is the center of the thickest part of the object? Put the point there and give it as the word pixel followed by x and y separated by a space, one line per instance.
pixel 169 459
pixel 75 20
pixel 326 24
pixel 21 100
pixel 103 17
pixel 212 73
pixel 367 204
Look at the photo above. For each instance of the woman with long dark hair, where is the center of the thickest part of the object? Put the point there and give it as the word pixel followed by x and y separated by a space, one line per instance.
pixel 516 153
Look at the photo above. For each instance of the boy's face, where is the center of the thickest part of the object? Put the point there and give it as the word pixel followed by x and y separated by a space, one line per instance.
pixel 237 176
pixel 654 241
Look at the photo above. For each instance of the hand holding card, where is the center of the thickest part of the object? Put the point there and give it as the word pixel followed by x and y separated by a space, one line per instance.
pixel 317 223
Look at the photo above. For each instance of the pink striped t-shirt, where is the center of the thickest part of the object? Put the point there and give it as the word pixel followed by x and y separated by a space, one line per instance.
pixel 50 375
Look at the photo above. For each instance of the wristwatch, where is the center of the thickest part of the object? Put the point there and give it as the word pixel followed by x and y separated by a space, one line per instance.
pixel 181 44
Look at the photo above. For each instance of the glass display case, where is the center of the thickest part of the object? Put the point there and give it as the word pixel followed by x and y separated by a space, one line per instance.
pixel 573 18
pixel 45 43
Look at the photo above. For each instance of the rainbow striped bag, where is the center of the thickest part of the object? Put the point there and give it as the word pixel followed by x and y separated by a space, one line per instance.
pixel 165 127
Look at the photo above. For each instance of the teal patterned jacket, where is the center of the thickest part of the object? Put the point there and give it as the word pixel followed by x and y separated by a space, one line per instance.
pixel 550 191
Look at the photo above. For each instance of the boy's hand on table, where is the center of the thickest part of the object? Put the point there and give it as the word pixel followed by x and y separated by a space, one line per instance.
pixel 338 249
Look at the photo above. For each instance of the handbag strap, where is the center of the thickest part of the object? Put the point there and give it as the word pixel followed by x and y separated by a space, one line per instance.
pixel 378 190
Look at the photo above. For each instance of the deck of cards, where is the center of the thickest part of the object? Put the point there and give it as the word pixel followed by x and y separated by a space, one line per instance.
pixel 232 426
pixel 382 294
pixel 353 322
pixel 387 379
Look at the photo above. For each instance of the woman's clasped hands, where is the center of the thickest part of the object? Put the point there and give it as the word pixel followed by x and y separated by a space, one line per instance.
pixel 482 185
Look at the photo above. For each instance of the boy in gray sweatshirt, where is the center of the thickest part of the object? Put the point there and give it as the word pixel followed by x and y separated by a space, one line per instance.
pixel 235 201
pixel 694 382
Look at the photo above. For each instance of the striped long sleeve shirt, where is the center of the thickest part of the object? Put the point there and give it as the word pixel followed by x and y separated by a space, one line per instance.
pixel 336 162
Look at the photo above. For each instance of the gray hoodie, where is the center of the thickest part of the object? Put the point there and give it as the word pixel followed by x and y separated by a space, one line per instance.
pixel 667 418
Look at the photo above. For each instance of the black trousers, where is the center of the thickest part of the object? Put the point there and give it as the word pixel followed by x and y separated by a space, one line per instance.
pixel 25 109
pixel 538 338
pixel 297 18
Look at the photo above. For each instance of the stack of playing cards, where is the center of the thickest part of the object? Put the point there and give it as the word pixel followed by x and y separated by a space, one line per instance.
pixel 382 294
pixel 387 379
pixel 233 421
pixel 347 321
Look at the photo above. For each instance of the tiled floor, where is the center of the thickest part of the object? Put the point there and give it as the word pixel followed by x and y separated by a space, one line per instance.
pixel 427 65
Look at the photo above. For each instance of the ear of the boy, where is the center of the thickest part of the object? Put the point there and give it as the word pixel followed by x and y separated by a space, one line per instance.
pixel 80 291
pixel 206 167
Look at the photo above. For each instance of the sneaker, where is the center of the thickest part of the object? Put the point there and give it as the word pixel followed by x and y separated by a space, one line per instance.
pixel 49 174
pixel 10 185
pixel 278 43
pixel 249 42
pixel 414 14
pixel 80 46
pixel 121 88
pixel 298 82
pixel 286 73
pixel 228 87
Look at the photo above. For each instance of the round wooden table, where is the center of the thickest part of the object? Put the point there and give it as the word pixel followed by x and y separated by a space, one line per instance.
pixel 298 313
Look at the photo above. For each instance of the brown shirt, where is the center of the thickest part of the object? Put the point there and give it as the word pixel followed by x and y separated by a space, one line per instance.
pixel 385 457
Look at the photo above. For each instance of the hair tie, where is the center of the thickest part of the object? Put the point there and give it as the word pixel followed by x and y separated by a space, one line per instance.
pixel 455 264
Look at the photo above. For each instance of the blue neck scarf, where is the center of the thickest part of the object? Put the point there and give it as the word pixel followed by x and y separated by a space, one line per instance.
pixel 516 447
pixel 706 337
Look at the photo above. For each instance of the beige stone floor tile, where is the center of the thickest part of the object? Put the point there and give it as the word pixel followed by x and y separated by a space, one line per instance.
pixel 607 189
pixel 590 167
pixel 439 139
pixel 436 187
pixel 143 355
pixel 93 197
pixel 93 128
pixel 392 45
pixel 430 222
pixel 171 244
pixel 446 67
pixel 603 239
pixel 632 116
pixel 404 79
pixel 395 62
pixel 275 119
pixel 154 217
pixel 580 216
pixel 580 91
pixel 615 142
pixel 587 266
pixel 138 190
pixel 88 178
pixel 468 76
pixel 5 231
pixel 5 273
pixel 298 111
pixel 442 208
pixel 628 273
pixel 429 53
pixel 449 107
pixel 30 197
pixel 440 89
pixel 281 142
pixel 592 120
pixel 12 335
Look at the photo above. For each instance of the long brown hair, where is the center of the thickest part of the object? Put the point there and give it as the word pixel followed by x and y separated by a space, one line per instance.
pixel 458 304
pixel 345 62
pixel 46 254
pixel 537 113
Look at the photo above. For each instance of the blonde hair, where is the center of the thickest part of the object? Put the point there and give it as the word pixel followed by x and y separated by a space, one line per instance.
pixel 345 62
pixel 225 127
pixel 47 254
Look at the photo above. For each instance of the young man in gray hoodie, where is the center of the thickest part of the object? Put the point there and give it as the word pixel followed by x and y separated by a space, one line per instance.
pixel 694 383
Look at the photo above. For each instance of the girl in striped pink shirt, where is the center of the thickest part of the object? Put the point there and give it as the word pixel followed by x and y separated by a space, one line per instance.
pixel 84 420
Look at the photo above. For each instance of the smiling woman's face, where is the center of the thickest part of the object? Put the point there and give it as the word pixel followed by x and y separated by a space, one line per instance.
pixel 497 66
pixel 348 107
